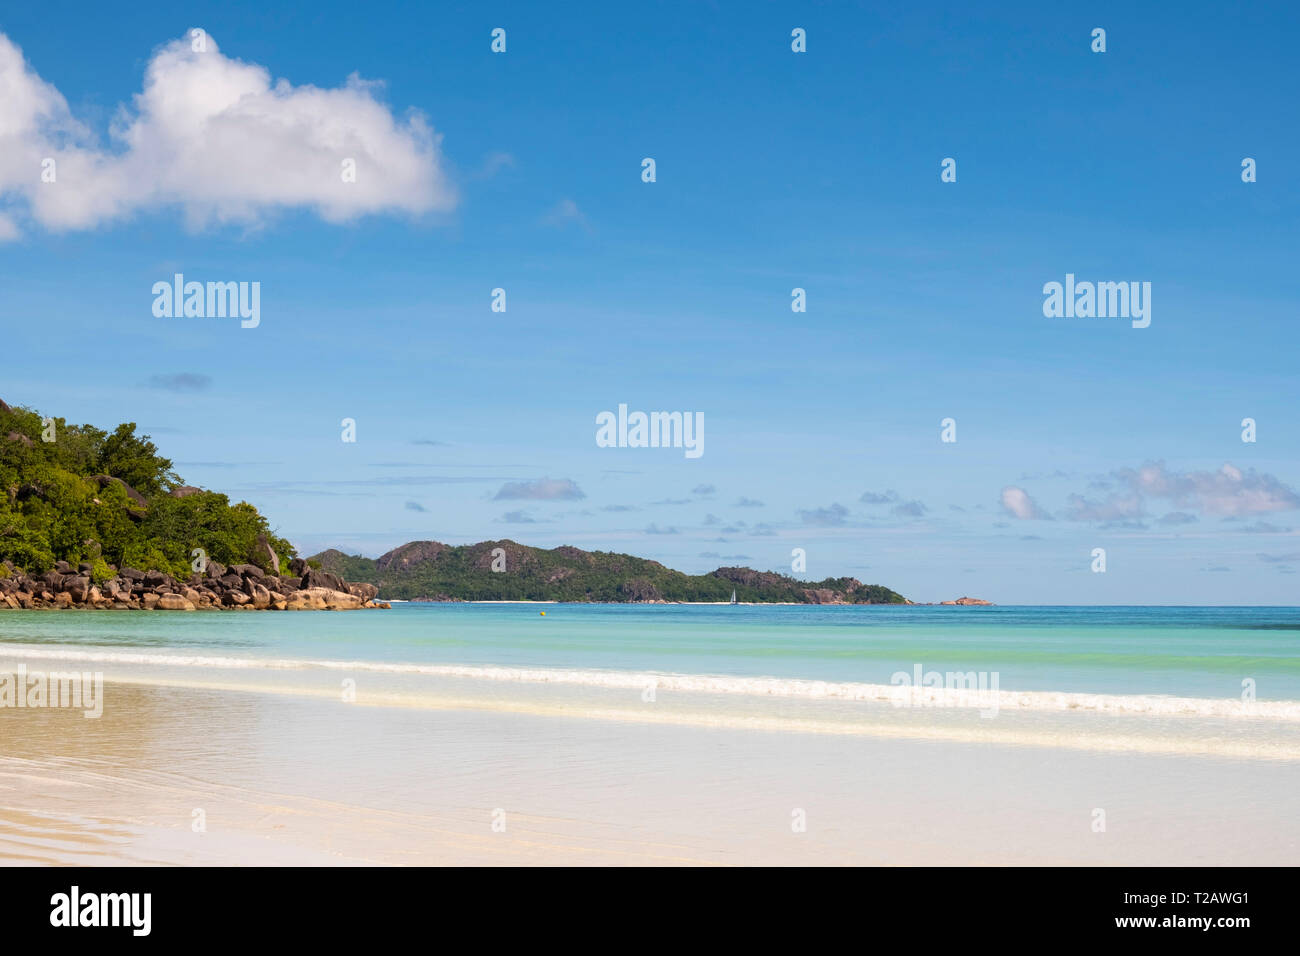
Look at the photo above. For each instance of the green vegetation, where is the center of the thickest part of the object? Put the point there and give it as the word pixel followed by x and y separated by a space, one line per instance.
pixel 110 499
pixel 435 571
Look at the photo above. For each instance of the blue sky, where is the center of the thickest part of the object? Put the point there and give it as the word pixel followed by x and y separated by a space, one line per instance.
pixel 775 170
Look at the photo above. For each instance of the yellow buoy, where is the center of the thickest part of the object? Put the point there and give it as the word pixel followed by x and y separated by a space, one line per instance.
pixel 542 613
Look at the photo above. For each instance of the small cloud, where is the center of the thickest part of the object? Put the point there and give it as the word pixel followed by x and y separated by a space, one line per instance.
pixel 872 498
pixel 748 503
pixel 704 491
pixel 427 441
pixel 565 212
pixel 543 489
pixel 1176 518
pixel 655 529
pixel 1217 568
pixel 620 508
pixel 518 517
pixel 672 501
pixel 1287 558
pixel 1115 510
pixel 1017 503
pixel 1263 527
pixel 414 506
pixel 909 509
pixel 832 517
pixel 762 531
pixel 494 163
pixel 181 382
pixel 712 519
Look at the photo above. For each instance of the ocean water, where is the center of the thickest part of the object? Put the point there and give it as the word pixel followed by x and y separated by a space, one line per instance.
pixel 1147 652
pixel 657 733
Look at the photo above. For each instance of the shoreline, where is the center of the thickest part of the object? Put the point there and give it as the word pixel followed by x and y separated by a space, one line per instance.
pixel 322 782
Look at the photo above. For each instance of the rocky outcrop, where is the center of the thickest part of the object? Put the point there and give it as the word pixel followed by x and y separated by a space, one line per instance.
pixel 239 587
pixel 105 480
pixel 969 602
pixel 264 555
pixel 412 553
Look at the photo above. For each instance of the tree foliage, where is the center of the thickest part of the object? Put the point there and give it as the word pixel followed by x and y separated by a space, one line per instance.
pixel 58 502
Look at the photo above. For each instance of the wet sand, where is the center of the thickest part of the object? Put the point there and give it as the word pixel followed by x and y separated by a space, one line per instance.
pixel 282 779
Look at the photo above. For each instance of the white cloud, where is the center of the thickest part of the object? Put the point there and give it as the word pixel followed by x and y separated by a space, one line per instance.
pixel 1017 503
pixel 218 139
pixel 1228 491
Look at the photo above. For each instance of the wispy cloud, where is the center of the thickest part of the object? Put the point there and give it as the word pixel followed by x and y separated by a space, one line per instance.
pixel 565 213
pixel 181 382
pixel 1228 491
pixel 543 489
pixel 878 498
pixel 830 517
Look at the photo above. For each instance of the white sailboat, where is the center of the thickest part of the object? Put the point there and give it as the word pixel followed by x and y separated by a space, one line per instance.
pixel 733 595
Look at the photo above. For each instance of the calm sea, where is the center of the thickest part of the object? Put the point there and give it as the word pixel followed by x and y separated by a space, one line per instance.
pixel 1202 652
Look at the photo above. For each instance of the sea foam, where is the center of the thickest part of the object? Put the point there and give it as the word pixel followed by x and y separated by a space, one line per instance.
pixel 779 687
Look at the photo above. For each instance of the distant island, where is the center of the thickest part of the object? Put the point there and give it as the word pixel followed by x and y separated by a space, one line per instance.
pixel 97 519
pixel 433 571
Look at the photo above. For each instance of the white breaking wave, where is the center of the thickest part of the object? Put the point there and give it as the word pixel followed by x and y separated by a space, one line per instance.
pixel 783 687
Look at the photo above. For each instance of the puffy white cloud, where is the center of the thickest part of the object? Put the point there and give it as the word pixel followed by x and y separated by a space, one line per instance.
pixel 1017 503
pixel 218 139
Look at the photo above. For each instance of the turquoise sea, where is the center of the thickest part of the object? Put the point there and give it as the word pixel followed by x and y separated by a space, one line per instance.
pixel 1202 652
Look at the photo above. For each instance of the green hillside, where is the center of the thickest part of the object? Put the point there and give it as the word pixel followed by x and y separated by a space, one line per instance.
pixel 431 570
pixel 77 493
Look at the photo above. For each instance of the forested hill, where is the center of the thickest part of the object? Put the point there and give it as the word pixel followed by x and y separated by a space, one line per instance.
pixel 430 570
pixel 79 494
